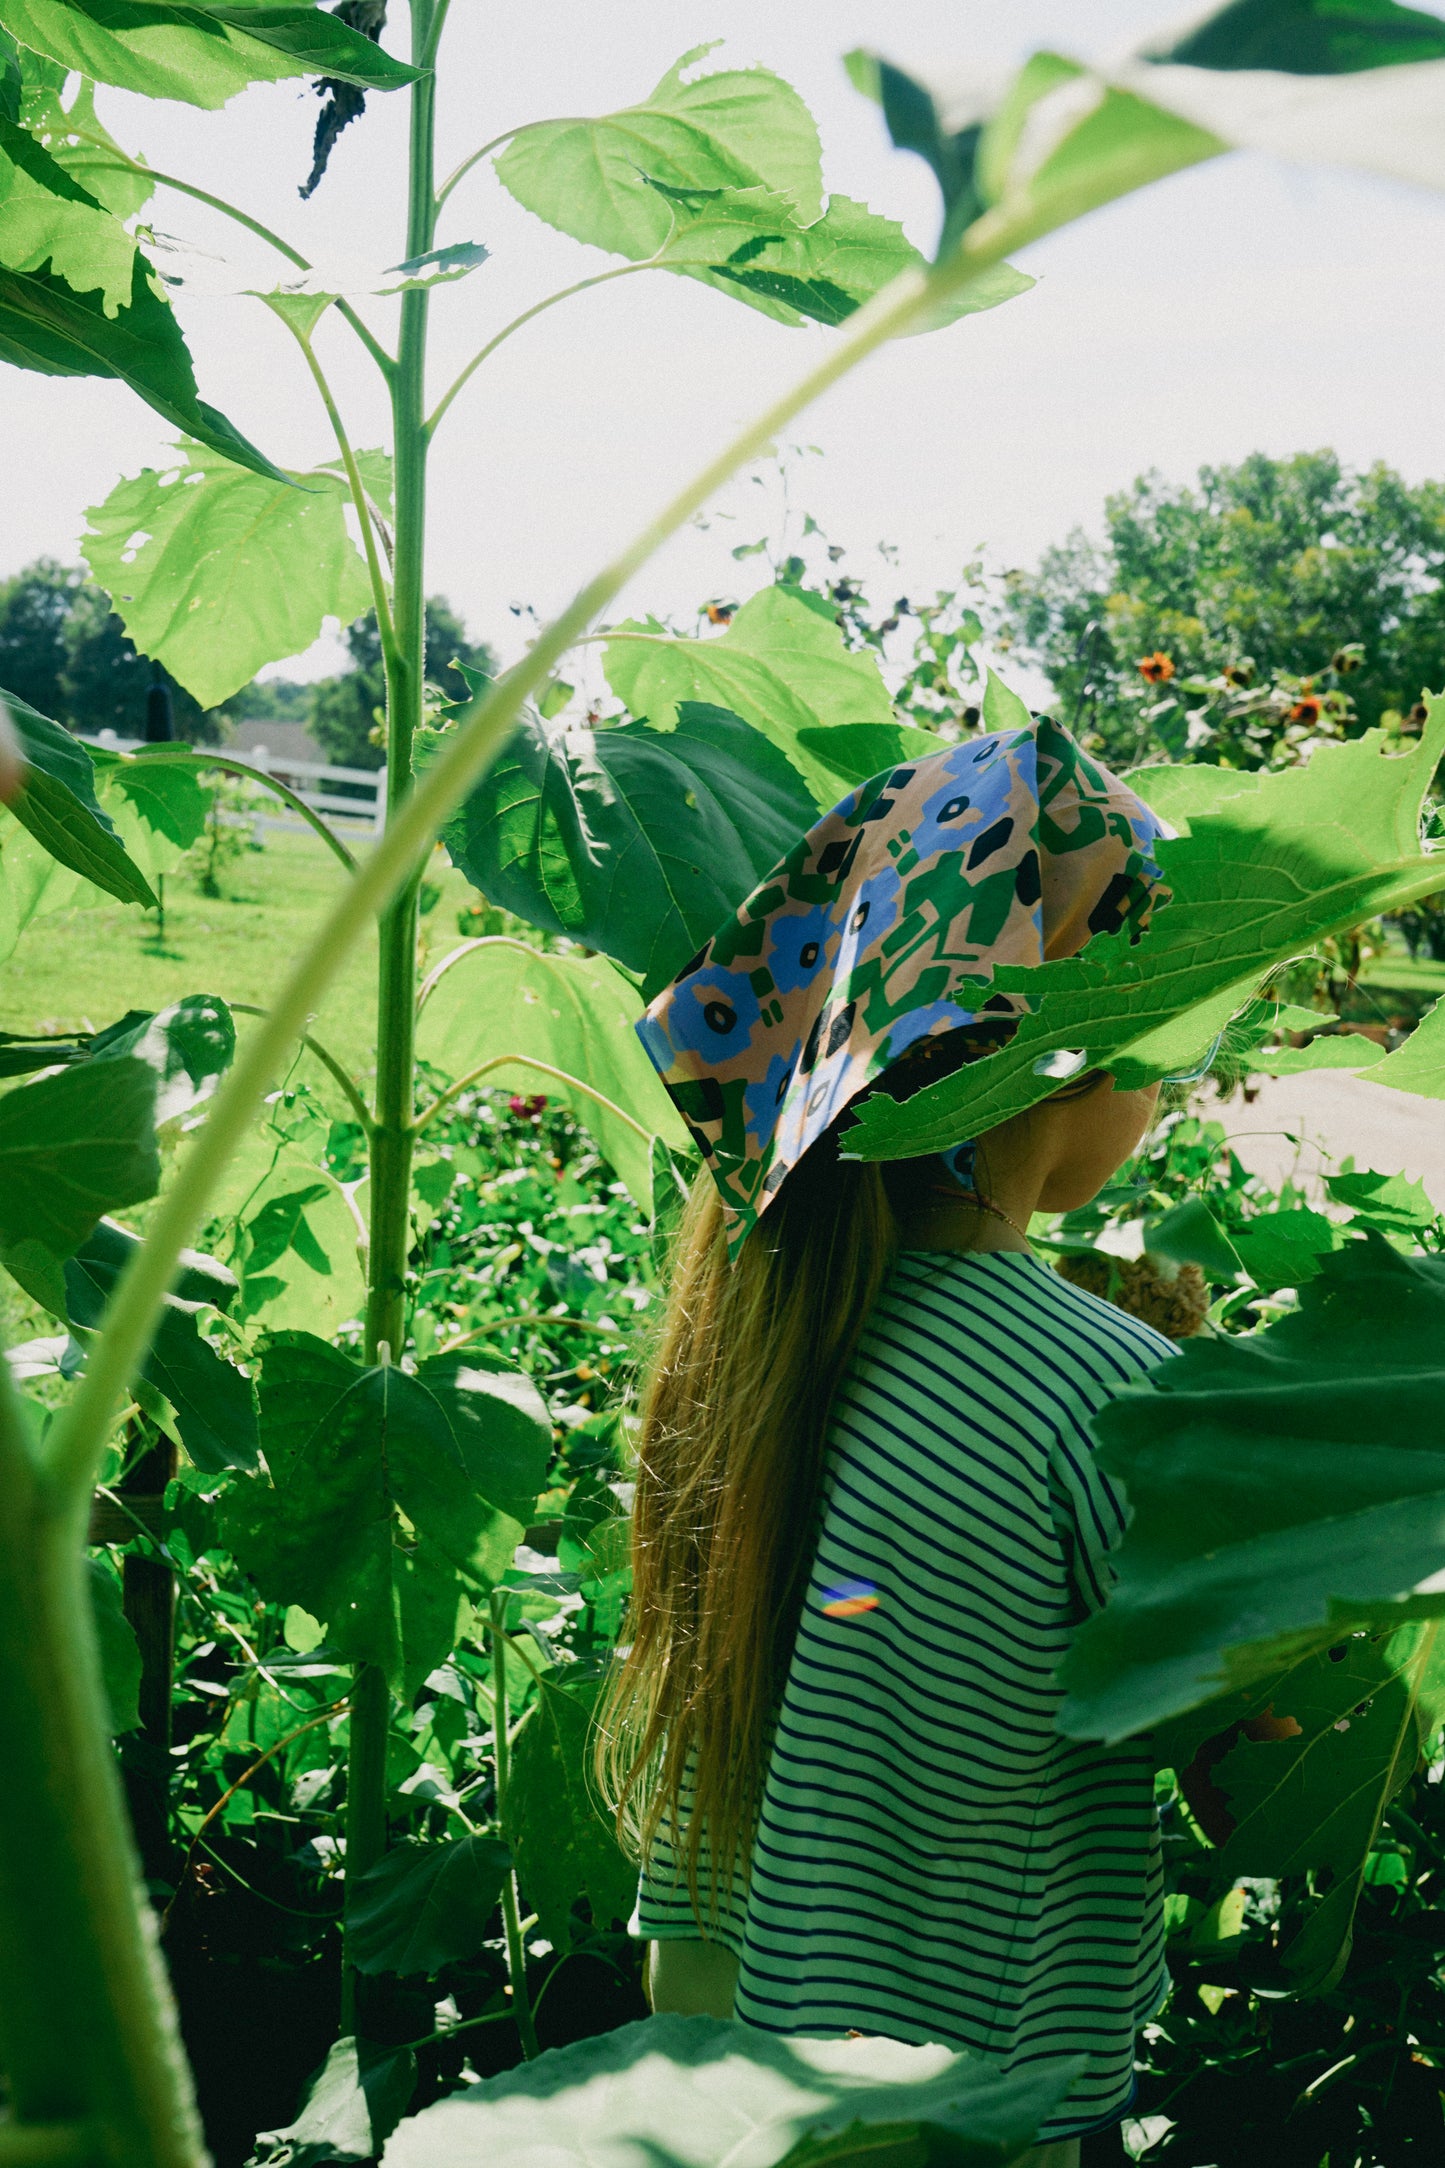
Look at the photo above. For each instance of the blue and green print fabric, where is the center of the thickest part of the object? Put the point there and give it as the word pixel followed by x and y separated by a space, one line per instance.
pixel 881 930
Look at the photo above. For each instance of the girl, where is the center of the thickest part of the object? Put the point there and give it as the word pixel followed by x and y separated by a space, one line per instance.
pixel 868 1514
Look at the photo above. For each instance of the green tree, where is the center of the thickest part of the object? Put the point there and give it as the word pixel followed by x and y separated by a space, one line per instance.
pixel 35 607
pixel 65 652
pixel 348 719
pixel 1267 567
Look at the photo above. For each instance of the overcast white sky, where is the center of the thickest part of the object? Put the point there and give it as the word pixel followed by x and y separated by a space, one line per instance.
pixel 1246 305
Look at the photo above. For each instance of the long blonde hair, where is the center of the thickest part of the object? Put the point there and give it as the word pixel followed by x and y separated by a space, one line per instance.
pixel 730 1457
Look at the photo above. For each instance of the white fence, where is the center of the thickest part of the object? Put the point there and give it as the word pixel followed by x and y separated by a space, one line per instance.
pixel 360 806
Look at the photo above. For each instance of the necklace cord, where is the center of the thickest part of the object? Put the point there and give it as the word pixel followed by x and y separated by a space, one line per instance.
pixel 975 1201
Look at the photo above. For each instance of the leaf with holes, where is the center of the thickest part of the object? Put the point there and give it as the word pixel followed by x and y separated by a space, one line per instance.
pixel 496 998
pixel 216 572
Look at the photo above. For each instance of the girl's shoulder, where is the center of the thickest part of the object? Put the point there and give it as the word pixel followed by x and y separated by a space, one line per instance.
pixel 1065 1327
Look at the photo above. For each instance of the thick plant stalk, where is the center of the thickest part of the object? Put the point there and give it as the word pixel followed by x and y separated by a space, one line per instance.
pixel 117 2014
pixel 390 1140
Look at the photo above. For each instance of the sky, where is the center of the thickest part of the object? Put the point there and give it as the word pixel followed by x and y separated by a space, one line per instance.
pixel 1246 305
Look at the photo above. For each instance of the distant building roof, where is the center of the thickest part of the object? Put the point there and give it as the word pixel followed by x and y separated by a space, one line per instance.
pixel 284 741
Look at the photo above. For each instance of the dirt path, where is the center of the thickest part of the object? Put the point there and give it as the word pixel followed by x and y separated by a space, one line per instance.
pixel 1296 1121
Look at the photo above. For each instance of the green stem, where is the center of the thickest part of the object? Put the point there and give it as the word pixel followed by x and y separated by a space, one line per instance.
pixel 344 309
pixel 343 1077
pixel 49 2145
pixel 459 173
pixel 502 1760
pixel 380 600
pixel 87 2028
pixel 454 1092
pixel 181 756
pixel 601 278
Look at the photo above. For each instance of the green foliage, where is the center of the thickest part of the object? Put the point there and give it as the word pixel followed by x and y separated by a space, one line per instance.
pixel 1308 37
pixel 345 710
pixel 235 570
pixel 354 2103
pixel 1278 861
pixel 1268 567
pixel 212 1401
pixel 423 1905
pixel 72 1147
pixel 199 51
pixel 349 1448
pixel 699 2090
pixel 65 652
pixel 44 325
pixel 59 807
pixel 781 665
pixel 561 1837
pixel 1309 1507
pixel 120 1661
pixel 159 808
pixel 47 217
pixel 633 840
pixel 735 129
pixel 500 997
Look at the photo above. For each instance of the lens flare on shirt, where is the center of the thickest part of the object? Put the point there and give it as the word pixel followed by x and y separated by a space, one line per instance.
pixel 850 1598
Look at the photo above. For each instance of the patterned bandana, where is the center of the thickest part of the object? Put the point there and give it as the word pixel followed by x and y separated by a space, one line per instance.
pixel 879 933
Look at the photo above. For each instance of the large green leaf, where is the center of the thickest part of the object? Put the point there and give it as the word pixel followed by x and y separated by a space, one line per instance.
pixel 353 2104
pixel 747 243
pixel 1308 37
pixel 46 325
pixel 423 1906
pixel 59 806
pixel 58 109
pixel 1286 1487
pixel 497 997
pixel 1419 1065
pixel 562 1838
pixel 286 1229
pixel 1293 1775
pixel 159 809
pixel 696 2092
pixel 188 1045
pixel 781 665
pixel 635 841
pixel 1271 871
pixel 736 129
pixel 74 1146
pixel 234 570
pixel 199 51
pixel 1337 82
pixel 46 216
pixel 214 1405
pixel 374 1518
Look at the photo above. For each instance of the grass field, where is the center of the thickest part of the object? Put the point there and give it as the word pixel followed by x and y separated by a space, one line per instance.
pixel 82 969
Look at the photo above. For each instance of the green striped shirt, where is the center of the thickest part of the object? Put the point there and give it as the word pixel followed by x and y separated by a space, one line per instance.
pixel 934 1861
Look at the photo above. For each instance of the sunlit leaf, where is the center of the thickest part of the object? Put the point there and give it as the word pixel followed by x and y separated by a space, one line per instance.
pixel 199 51
pixel 424 1905
pixel 1419 1065
pixel 737 128
pixel 45 325
pixel 159 808
pixel 60 809
pixel 1273 870
pixel 48 217
pixel 59 111
pixel 1307 37
pixel 781 665
pixel 703 2092
pixel 354 2103
pixel 216 572
pixel 633 841
pixel 498 997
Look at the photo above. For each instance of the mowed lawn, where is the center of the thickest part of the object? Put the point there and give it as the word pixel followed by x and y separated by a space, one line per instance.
pixel 81 969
